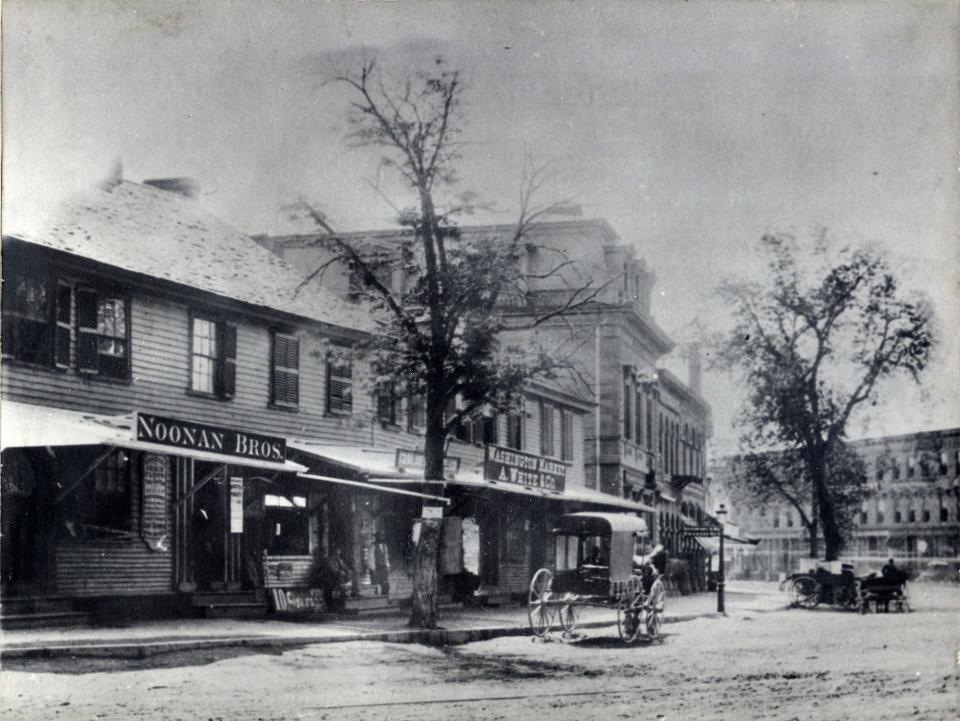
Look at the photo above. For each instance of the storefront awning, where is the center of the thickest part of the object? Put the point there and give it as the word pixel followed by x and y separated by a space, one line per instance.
pixel 23 425
pixel 373 487
pixel 366 462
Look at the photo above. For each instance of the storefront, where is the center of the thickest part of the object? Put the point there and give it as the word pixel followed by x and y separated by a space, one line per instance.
pixel 137 505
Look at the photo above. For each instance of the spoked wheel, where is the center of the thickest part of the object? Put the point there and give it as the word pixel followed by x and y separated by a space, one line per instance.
pixel 568 617
pixel 805 592
pixel 654 608
pixel 539 610
pixel 629 610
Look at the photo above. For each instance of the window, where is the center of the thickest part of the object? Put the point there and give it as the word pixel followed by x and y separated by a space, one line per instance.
pixel 944 515
pixel 566 435
pixel 638 416
pixel 627 403
pixel 416 413
pixel 896 471
pixel 863 518
pixel 926 515
pixel 879 470
pixel 943 464
pixel 897 517
pixel 339 386
pixel 288 524
pixel 285 370
pixel 27 330
pixel 100 504
pixel 515 430
pixel 913 516
pixel 880 516
pixel 546 429
pixel 387 405
pixel 102 345
pixel 649 423
pixel 911 462
pixel 213 353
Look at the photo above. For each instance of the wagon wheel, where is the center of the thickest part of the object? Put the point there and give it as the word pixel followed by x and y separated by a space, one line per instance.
pixel 654 606
pixel 845 597
pixel 805 592
pixel 539 610
pixel 628 617
pixel 568 617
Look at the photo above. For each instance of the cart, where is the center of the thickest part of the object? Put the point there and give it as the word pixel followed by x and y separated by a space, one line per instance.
pixel 820 585
pixel 596 566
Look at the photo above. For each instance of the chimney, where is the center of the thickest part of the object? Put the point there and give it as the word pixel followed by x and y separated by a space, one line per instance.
pixel 694 369
pixel 186 187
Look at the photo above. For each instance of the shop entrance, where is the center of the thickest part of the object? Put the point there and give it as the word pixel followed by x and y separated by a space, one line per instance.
pixel 25 543
pixel 208 528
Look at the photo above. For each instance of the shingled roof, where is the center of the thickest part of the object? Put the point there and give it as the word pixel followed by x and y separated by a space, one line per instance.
pixel 162 234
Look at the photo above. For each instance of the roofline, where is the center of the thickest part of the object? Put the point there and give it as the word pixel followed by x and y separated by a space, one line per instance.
pixel 678 385
pixel 167 287
pixel 387 234
pixel 538 387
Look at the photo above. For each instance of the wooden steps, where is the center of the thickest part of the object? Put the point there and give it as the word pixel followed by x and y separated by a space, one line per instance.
pixel 18 612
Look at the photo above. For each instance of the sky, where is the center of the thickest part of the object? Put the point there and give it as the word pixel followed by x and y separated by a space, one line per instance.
pixel 693 128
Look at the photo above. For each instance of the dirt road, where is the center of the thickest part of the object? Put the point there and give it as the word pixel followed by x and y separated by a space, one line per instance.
pixel 776 666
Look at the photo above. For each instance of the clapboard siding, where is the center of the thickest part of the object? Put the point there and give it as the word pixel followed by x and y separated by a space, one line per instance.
pixel 91 569
pixel 160 379
pixel 289 571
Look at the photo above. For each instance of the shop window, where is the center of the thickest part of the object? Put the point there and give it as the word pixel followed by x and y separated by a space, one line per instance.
pixel 285 370
pixel 288 525
pixel 546 429
pixel 514 538
pixel 339 386
pixel 100 506
pixel 387 405
pixel 566 435
pixel 27 328
pixel 515 430
pixel 416 413
pixel 213 354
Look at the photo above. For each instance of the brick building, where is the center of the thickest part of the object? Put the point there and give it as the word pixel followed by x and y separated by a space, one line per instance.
pixel 911 512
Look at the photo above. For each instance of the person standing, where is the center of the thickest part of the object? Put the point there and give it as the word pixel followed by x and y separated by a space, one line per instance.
pixel 380 564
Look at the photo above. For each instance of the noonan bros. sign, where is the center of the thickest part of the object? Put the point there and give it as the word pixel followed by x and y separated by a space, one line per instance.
pixel 213 439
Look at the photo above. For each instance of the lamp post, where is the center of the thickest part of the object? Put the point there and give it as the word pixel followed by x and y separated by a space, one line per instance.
pixel 721 512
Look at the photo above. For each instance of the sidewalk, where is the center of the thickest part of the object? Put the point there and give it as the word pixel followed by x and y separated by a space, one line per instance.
pixel 458 625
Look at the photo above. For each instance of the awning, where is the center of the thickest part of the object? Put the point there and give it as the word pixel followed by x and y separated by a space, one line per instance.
pixel 23 425
pixel 667 497
pixel 712 543
pixel 368 462
pixel 373 487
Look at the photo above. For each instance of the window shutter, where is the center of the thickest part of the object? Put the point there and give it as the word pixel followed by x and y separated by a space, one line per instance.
pixel 62 339
pixel 228 360
pixel 87 355
pixel 286 369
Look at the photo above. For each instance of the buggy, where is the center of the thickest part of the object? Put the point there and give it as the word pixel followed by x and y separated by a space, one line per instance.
pixel 596 566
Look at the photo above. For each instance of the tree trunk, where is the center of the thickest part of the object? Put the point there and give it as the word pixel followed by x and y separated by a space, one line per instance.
pixel 814 541
pixel 424 611
pixel 832 539
pixel 424 614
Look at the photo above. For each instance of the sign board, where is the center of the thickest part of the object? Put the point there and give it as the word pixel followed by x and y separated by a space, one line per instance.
pixel 431 511
pixel 236 504
pixel 506 465
pixel 153 505
pixel 214 439
pixel 408 460
pixel 297 600
pixel 702 531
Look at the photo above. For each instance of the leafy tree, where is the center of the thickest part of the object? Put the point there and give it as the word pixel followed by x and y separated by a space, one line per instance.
pixel 812 344
pixel 441 317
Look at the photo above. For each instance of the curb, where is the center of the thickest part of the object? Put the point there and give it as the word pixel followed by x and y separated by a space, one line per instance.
pixel 146 649
pixel 430 637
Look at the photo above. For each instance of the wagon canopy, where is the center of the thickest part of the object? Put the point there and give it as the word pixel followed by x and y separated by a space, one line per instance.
pixel 600 524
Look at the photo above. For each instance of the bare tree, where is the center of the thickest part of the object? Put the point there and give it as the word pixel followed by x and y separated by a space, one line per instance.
pixel 442 322
pixel 812 348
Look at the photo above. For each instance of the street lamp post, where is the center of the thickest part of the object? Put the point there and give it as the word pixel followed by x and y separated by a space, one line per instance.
pixel 721 512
